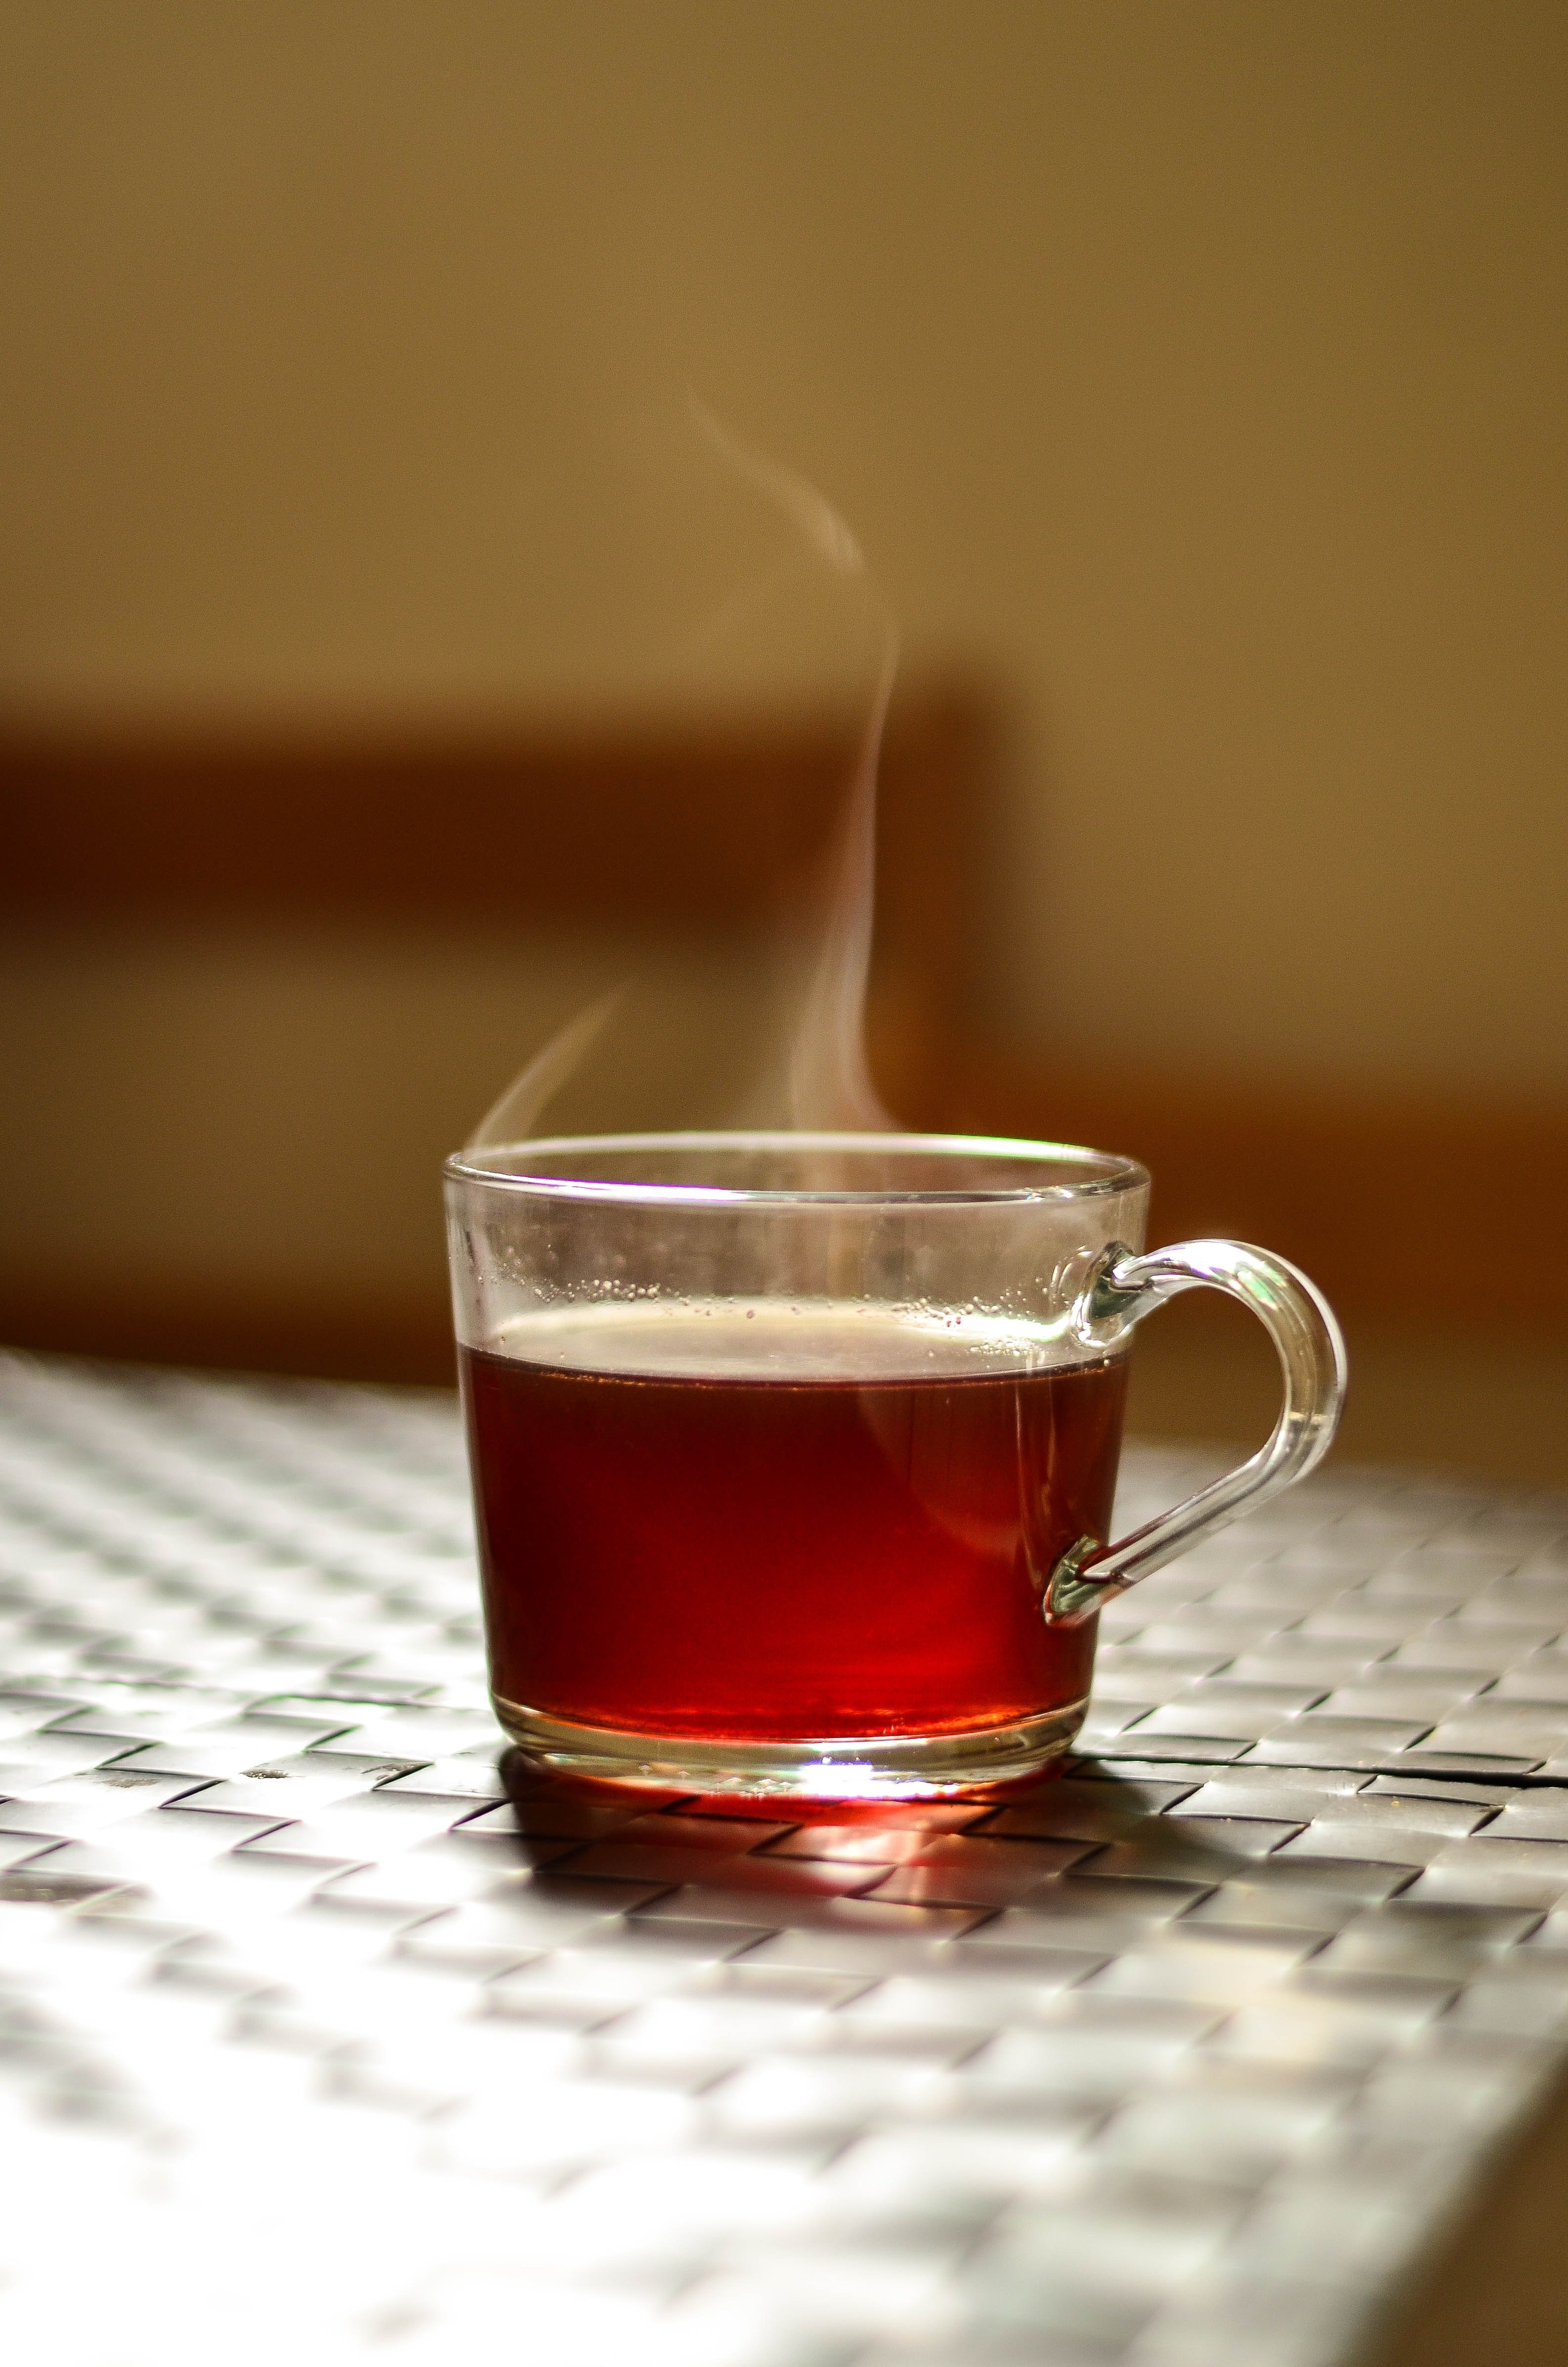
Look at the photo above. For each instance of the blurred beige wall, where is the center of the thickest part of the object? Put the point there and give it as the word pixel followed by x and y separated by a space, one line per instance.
pixel 1198 371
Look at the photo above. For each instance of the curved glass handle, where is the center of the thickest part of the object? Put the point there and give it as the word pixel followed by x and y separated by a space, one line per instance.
pixel 1123 1287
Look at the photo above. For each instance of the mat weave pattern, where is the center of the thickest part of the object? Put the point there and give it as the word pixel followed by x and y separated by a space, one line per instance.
pixel 327 2037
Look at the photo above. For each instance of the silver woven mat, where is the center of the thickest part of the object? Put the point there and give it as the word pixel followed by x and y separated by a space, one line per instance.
pixel 319 2043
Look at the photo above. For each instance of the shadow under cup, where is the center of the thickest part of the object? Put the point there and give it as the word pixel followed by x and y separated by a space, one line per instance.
pixel 777 1441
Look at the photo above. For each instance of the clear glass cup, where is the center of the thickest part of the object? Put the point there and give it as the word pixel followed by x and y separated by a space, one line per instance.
pixel 794 1455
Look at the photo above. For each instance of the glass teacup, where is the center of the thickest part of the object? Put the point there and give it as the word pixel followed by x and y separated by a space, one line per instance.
pixel 794 1453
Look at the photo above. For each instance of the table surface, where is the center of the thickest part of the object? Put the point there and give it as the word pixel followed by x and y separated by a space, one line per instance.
pixel 319 2040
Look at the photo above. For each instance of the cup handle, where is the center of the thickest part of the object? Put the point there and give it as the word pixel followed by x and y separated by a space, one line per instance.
pixel 1123 1287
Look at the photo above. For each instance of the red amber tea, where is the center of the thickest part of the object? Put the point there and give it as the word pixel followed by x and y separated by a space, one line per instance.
pixel 780 1526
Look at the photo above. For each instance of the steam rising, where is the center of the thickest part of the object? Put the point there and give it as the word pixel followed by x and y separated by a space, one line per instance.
pixel 807 1066
pixel 830 1085
pixel 512 1118
pixel 820 524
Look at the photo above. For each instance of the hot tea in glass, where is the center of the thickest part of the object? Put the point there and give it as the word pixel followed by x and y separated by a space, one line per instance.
pixel 817 1527
pixel 794 1455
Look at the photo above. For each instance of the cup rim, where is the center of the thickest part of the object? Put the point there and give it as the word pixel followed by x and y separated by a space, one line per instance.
pixel 1115 1173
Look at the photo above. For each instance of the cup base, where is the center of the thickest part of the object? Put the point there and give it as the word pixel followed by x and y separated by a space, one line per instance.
pixel 839 1767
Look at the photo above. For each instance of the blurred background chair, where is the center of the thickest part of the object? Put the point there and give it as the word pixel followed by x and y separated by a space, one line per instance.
pixel 258 988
